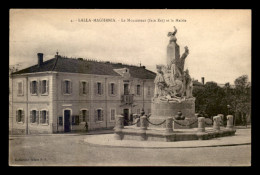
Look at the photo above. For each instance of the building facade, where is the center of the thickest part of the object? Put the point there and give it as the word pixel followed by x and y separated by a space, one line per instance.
pixel 62 94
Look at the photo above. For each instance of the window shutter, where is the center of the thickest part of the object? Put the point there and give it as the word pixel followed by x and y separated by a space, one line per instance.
pixel 47 86
pixel 37 117
pixel 30 116
pixel 80 116
pixel 102 115
pixel 96 88
pixel 102 88
pixel 109 89
pixel 63 87
pixel 115 89
pixel 70 85
pixel 47 117
pixel 40 118
pixel 87 87
pixel 37 88
pixel 80 88
pixel 22 87
pixel 87 115
pixel 16 115
pixel 40 87
pixel 23 116
pixel 96 115
pixel 30 87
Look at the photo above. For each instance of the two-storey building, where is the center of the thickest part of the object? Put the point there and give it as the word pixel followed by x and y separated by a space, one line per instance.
pixel 62 94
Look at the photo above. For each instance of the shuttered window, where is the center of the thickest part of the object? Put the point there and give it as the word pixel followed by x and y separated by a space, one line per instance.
pixel 99 88
pixel 112 114
pixel 84 115
pixel 99 115
pixel 33 116
pixel 44 87
pixel 44 117
pixel 67 87
pixel 20 115
pixel 34 87
pixel 20 88
pixel 83 87
pixel 112 89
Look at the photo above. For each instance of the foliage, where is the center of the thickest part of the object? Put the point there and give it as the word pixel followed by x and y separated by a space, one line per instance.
pixel 213 99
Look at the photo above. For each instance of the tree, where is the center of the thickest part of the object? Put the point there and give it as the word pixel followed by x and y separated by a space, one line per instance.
pixel 241 98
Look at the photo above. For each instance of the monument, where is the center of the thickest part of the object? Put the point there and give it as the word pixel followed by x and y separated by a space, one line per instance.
pixel 172 116
pixel 173 86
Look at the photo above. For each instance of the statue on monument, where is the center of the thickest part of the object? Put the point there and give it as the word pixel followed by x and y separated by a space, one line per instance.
pixel 172 83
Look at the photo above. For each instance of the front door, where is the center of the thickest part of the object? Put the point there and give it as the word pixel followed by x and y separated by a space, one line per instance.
pixel 126 116
pixel 67 121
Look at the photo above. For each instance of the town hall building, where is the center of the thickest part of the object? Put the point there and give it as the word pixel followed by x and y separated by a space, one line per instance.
pixel 62 94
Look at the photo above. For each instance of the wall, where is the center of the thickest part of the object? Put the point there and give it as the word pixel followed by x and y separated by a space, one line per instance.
pixel 56 102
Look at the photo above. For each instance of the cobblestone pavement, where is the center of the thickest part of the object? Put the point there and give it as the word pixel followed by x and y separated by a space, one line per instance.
pixel 70 150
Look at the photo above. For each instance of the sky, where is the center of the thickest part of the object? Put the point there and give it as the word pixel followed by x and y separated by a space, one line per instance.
pixel 219 41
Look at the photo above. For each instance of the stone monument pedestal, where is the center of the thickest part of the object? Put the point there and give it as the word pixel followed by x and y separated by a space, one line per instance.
pixel 161 110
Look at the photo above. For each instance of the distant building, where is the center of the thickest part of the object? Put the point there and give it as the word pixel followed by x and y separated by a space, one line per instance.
pixel 62 94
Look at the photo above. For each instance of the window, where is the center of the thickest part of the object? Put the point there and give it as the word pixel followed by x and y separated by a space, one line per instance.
pixel 112 114
pixel 34 87
pixel 44 117
pixel 138 111
pixel 84 115
pixel 60 121
pixel 20 88
pixel 148 90
pixel 138 90
pixel 99 88
pixel 75 120
pixel 67 87
pixel 19 115
pixel 99 115
pixel 44 86
pixel 83 87
pixel 33 116
pixel 126 89
pixel 112 88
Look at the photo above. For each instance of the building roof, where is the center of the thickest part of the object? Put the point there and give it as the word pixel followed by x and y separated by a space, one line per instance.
pixel 87 67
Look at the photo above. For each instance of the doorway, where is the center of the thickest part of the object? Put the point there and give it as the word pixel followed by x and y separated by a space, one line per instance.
pixel 126 116
pixel 67 121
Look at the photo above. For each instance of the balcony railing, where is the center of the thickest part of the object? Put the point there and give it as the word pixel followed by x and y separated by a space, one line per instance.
pixel 128 99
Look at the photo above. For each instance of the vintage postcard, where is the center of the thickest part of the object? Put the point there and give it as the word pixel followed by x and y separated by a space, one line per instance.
pixel 106 87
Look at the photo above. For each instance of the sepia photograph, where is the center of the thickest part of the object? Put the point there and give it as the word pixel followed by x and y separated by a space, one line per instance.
pixel 130 87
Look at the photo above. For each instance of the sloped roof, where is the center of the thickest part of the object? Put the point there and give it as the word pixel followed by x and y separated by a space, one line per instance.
pixel 87 67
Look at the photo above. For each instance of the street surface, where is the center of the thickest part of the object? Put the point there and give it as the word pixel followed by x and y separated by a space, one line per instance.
pixel 70 150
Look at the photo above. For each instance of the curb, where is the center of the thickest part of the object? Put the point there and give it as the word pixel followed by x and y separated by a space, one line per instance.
pixel 138 147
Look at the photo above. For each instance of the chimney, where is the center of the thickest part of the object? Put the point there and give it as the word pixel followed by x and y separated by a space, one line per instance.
pixel 40 59
pixel 202 80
